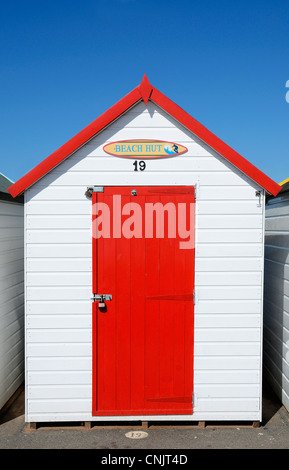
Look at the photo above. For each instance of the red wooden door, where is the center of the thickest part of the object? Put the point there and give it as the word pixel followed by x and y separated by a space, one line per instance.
pixel 143 338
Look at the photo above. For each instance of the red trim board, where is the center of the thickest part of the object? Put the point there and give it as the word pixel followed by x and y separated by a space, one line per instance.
pixel 144 91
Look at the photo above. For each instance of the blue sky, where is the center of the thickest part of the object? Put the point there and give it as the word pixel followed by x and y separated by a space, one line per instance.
pixel 64 63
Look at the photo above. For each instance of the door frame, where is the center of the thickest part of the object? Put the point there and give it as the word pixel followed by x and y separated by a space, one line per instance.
pixel 184 189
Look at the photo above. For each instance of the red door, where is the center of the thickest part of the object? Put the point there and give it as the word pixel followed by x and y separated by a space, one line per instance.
pixel 143 256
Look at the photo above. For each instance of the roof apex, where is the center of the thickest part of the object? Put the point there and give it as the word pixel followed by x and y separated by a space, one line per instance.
pixel 144 91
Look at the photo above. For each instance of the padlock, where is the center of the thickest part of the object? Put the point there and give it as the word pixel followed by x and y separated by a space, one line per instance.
pixel 101 304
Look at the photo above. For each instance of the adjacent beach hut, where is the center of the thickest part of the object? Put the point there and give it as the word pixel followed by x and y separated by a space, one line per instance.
pixel 276 301
pixel 11 293
pixel 130 323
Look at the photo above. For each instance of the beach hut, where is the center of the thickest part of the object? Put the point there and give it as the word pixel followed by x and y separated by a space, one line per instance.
pixel 276 297
pixel 11 294
pixel 144 239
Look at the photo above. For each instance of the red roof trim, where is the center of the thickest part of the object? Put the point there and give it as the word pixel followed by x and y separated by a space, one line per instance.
pixel 144 91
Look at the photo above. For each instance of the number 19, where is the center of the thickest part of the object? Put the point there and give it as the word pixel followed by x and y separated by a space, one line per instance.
pixel 139 165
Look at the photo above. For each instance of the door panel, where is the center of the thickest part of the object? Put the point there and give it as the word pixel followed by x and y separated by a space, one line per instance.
pixel 143 338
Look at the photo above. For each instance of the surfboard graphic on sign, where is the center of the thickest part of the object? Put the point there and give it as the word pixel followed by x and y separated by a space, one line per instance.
pixel 143 149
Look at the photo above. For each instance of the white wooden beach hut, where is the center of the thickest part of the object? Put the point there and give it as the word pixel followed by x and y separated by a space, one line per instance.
pixel 121 325
pixel 276 297
pixel 11 293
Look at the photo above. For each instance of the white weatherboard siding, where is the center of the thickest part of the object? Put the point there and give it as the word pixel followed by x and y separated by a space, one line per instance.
pixel 11 299
pixel 276 297
pixel 229 274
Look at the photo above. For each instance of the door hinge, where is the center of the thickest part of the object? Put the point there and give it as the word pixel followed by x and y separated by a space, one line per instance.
pixel 93 189
pixel 194 297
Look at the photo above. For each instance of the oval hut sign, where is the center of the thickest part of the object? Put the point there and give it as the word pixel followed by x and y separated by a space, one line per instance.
pixel 144 149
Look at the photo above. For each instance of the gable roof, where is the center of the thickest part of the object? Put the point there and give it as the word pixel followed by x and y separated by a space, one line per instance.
pixel 145 91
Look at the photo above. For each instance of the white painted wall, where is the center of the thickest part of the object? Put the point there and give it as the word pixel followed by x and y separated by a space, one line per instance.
pixel 229 274
pixel 276 297
pixel 11 299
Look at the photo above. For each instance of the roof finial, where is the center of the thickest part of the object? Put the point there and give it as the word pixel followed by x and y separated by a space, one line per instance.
pixel 145 89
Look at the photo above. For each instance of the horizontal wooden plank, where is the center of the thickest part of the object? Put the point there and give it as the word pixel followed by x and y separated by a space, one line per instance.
pixel 228 404
pixel 214 193
pixel 58 293
pixel 7 208
pixel 228 264
pixel 59 279
pixel 12 292
pixel 229 236
pixel 11 267
pixel 80 335
pixel 278 338
pixel 228 249
pixel 142 178
pixel 59 321
pixel 228 391
pixel 232 363
pixel 59 236
pixel 59 364
pixel 279 371
pixel 59 405
pixel 59 265
pixel 277 210
pixel 9 256
pixel 277 329
pixel 277 223
pixel 59 377
pixel 58 350
pixel 217 320
pixel 277 269
pixel 278 313
pixel 59 307
pixel 211 348
pixel 12 280
pixel 54 193
pixel 228 279
pixel 226 377
pixel 275 360
pixel 58 222
pixel 14 319
pixel 10 221
pixel 229 207
pixel 83 207
pixel 228 306
pixel 229 293
pixel 229 222
pixel 275 283
pixel 227 334
pixel 13 303
pixel 59 391
pixel 54 250
pixel 276 296
pixel 11 244
pixel 280 239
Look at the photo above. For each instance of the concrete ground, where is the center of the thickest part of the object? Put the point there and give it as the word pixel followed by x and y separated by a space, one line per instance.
pixel 272 434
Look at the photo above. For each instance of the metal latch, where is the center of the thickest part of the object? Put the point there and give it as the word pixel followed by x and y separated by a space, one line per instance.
pixel 93 189
pixel 101 298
